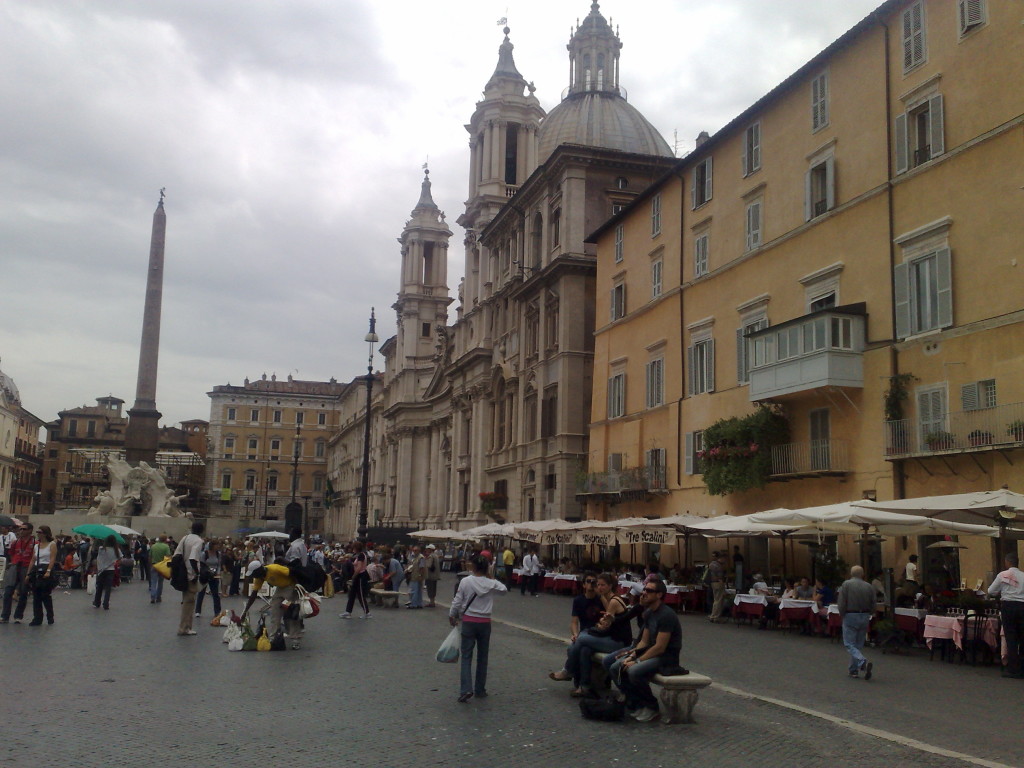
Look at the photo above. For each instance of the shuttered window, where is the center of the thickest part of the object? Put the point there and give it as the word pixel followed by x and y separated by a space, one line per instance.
pixel 971 14
pixel 700 255
pixel 914 42
pixel 819 102
pixel 924 294
pixel 655 215
pixel 618 243
pixel 655 383
pixel 617 396
pixel 751 160
pixel 700 187
pixel 754 225
pixel 701 365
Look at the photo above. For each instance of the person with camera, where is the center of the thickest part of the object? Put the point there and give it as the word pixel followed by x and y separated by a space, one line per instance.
pixel 209 577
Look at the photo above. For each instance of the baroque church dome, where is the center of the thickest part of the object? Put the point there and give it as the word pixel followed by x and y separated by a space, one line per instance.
pixel 8 390
pixel 594 111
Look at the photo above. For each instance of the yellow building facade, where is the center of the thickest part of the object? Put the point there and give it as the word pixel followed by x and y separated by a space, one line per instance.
pixel 843 252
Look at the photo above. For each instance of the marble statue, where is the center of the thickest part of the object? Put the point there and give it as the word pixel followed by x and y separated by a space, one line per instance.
pixel 140 490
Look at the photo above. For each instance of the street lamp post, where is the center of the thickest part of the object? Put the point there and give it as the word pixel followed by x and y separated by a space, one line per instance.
pixel 364 491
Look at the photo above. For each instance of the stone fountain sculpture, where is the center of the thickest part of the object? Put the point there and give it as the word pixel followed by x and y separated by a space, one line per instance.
pixel 140 490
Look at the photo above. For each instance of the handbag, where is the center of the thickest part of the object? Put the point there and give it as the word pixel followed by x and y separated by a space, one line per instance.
pixel 231 633
pixel 90 588
pixel 308 603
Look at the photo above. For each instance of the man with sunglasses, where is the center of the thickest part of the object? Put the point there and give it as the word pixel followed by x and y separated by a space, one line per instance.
pixel 656 651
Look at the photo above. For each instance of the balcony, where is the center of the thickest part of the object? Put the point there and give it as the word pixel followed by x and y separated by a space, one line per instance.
pixel 621 484
pixel 823 349
pixel 815 458
pixel 983 429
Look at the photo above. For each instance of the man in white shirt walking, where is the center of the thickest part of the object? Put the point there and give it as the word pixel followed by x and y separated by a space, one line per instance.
pixel 1009 588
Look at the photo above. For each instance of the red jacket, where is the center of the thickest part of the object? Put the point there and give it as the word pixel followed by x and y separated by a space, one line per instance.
pixel 22 551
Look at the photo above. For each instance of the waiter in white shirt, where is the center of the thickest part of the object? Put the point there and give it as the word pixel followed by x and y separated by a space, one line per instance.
pixel 1009 588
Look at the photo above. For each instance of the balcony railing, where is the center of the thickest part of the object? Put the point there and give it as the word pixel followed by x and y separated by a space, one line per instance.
pixel 823 349
pixel 809 459
pixel 961 431
pixel 635 481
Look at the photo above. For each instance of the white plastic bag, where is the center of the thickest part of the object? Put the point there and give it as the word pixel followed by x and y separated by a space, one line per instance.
pixel 232 632
pixel 90 588
pixel 236 644
pixel 448 653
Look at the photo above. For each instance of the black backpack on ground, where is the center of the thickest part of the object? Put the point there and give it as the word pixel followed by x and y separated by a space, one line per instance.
pixel 608 709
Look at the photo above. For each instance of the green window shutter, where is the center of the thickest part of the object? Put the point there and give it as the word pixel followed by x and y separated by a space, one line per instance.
pixel 901 275
pixel 944 281
pixel 902 155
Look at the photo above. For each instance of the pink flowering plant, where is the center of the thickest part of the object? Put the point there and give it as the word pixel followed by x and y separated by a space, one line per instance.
pixel 737 454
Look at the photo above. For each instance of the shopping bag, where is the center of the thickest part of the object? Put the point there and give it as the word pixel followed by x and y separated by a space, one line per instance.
pixel 448 653
pixel 91 584
pixel 329 587
pixel 163 567
pixel 216 619
pixel 236 645
pixel 232 632
pixel 263 644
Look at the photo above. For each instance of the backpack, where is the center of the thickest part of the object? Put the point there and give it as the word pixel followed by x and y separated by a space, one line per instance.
pixel 608 709
pixel 179 573
pixel 310 577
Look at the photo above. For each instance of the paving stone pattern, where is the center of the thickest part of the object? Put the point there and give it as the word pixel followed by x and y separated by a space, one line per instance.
pixel 119 688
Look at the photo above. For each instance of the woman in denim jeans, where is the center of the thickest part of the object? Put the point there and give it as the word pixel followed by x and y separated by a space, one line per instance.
pixel 472 604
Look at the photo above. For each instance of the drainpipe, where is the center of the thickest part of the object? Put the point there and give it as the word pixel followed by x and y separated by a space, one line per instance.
pixel 898 477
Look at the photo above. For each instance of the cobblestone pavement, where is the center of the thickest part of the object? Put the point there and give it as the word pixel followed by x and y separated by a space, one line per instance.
pixel 119 688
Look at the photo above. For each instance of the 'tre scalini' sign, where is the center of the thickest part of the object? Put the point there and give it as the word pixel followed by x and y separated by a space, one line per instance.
pixel 647 536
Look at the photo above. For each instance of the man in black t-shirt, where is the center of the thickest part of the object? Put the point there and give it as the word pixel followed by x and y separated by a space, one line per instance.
pixel 656 651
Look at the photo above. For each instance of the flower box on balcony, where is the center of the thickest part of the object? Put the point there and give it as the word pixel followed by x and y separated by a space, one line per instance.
pixel 939 441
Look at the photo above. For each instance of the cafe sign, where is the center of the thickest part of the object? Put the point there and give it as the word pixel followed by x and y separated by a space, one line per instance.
pixel 557 537
pixel 595 537
pixel 656 536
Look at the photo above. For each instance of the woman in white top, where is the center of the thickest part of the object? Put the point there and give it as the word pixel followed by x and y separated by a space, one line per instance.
pixel 41 578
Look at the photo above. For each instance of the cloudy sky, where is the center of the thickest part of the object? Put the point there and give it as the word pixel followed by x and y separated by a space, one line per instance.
pixel 290 137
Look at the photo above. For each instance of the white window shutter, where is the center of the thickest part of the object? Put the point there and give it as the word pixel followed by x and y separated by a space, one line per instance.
pixel 808 193
pixel 936 121
pixel 901 281
pixel 944 283
pixel 743 153
pixel 830 183
pixel 908 39
pixel 693 190
pixel 969 397
pixel 902 153
pixel 711 365
pixel 707 181
pixel 688 457
pixel 756 159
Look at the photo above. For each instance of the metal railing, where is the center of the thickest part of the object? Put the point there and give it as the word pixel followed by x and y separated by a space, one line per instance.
pixel 983 428
pixel 650 478
pixel 811 457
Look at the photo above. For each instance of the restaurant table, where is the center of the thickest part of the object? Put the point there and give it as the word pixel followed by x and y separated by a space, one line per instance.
pixel 953 628
pixel 911 621
pixel 793 610
pixel 565 583
pixel 749 605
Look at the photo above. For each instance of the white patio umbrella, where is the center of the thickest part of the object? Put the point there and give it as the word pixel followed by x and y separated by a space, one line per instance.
pixel 490 530
pixel 857 517
pixel 998 507
pixel 440 534
pixel 269 535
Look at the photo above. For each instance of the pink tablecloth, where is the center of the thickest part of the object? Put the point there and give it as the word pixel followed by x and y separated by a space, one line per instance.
pixel 952 628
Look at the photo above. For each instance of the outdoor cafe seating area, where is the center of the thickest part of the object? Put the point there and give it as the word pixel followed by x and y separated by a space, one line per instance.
pixel 951 624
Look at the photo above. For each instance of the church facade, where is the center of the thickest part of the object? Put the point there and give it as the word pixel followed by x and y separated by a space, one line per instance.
pixel 487 418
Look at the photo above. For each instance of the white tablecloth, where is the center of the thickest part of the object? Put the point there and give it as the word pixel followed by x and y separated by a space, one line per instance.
pixel 756 599
pixel 918 613
pixel 790 602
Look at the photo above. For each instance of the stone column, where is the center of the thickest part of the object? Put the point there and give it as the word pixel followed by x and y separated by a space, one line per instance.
pixel 142 436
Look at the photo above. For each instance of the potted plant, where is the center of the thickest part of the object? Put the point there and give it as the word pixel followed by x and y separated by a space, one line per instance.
pixel 979 437
pixel 939 440
pixel 1016 430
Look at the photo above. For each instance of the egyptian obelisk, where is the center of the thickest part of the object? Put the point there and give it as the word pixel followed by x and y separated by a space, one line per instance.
pixel 142 438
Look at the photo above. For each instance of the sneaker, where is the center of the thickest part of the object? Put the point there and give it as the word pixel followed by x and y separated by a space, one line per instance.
pixel 867 670
pixel 295 645
pixel 365 616
pixel 346 615
pixel 645 714
pixel 188 633
pixel 197 615
pixel 854 674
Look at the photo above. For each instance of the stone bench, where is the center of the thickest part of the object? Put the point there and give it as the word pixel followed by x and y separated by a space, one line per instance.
pixel 677 697
pixel 384 598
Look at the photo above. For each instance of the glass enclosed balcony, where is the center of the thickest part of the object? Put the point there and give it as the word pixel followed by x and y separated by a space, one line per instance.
pixel 823 349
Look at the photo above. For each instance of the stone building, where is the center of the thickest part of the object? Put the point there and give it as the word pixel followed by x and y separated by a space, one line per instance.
pixel 267 444
pixel 487 418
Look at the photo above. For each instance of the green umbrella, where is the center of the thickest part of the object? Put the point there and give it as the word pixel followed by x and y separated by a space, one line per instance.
pixel 97 531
